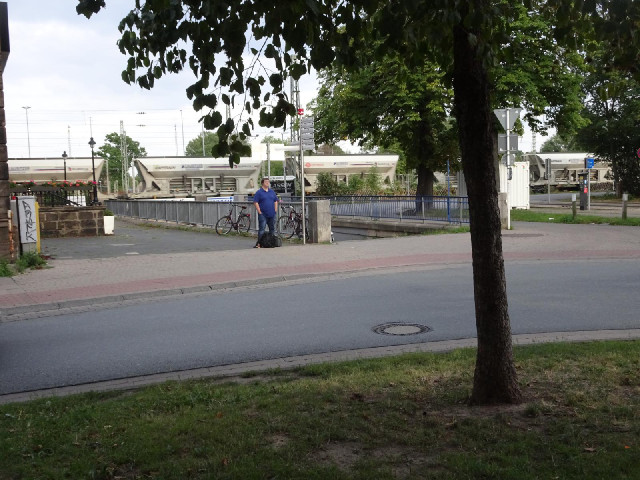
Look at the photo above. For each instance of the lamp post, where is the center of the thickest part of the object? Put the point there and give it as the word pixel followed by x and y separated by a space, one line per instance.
pixel 64 159
pixel 92 144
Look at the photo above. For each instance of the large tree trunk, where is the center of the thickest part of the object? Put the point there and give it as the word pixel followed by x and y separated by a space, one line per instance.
pixel 425 180
pixel 495 379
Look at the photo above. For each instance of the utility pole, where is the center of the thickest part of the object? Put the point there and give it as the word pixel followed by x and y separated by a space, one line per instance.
pixel 182 122
pixel 125 158
pixel 69 139
pixel 203 152
pixel 26 112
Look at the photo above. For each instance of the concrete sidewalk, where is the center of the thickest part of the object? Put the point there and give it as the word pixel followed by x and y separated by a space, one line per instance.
pixel 80 281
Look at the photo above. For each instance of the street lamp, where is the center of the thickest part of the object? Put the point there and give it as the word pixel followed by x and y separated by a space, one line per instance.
pixel 26 112
pixel 64 159
pixel 92 144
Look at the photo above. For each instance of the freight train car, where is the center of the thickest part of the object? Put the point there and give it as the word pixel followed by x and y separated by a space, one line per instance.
pixel 176 176
pixel 564 169
pixel 42 170
pixel 341 167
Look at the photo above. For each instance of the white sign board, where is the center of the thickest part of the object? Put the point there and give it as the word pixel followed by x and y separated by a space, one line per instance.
pixel 502 142
pixel 27 218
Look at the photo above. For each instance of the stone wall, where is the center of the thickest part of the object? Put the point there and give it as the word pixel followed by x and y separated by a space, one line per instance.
pixel 71 221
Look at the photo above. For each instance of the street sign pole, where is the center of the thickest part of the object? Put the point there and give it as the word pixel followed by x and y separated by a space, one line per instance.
pixel 547 171
pixel 589 163
pixel 304 232
pixel 507 117
pixel 307 141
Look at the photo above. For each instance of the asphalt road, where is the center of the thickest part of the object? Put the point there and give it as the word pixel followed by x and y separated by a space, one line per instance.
pixel 267 322
pixel 132 239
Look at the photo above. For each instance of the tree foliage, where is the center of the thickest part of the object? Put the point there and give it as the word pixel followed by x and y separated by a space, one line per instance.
pixel 195 148
pixel 561 143
pixel 613 112
pixel 534 71
pixel 111 151
pixel 388 104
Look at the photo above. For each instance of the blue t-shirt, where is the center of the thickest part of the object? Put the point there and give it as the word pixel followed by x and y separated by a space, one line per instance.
pixel 266 202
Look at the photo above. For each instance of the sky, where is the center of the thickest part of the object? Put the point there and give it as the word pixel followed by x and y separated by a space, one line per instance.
pixel 67 70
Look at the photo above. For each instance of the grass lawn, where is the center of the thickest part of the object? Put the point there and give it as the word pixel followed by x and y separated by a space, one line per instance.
pixel 400 417
pixel 531 216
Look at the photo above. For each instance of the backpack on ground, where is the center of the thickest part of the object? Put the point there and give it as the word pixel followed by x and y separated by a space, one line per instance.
pixel 269 240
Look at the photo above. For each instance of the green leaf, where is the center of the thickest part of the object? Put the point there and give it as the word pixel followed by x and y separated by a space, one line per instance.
pixel 230 125
pixel 270 51
pixel 213 120
pixel 276 81
pixel 297 70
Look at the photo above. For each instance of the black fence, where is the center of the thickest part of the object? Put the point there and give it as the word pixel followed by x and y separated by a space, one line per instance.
pixel 48 196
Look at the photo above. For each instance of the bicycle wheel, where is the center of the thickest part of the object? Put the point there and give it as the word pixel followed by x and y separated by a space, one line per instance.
pixel 286 227
pixel 298 229
pixel 244 223
pixel 223 226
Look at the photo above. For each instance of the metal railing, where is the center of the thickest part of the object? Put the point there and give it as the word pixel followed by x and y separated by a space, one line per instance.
pixel 194 213
pixel 410 208
pixel 403 208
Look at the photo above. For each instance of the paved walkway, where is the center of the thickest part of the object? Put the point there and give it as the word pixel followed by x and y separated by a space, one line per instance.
pixel 135 274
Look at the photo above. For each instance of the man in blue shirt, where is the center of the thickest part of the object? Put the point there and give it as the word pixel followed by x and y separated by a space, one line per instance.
pixel 266 203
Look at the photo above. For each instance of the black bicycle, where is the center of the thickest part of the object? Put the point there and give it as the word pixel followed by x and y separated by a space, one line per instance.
pixel 226 223
pixel 290 223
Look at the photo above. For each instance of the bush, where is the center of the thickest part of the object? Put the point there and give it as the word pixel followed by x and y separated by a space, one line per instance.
pixel 108 213
pixel 29 260
pixel 327 186
pixel 5 269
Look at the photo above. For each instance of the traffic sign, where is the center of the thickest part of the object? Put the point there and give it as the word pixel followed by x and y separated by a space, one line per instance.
pixel 511 113
pixel 502 142
pixel 588 162
pixel 307 133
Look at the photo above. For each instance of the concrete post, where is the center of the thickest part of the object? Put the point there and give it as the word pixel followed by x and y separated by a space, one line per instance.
pixel 319 221
pixel 625 199
pixel 505 214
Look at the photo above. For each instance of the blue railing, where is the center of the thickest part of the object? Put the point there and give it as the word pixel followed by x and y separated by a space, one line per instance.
pixel 409 208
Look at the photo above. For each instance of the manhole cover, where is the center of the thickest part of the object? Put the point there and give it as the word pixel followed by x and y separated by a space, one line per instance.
pixel 401 329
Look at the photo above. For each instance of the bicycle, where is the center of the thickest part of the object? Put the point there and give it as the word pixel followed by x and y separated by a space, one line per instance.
pixel 291 223
pixel 226 223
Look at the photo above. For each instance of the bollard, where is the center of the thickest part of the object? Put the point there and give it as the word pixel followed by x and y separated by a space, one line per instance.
pixel 625 199
pixel 573 205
